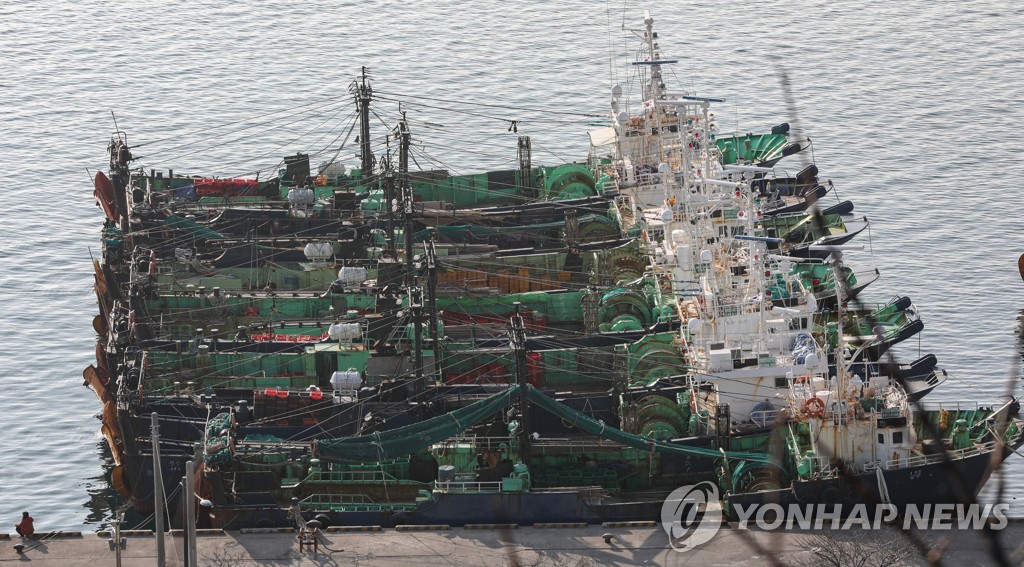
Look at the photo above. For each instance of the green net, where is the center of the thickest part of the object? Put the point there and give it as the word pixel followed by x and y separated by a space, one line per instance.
pixel 589 425
pixel 401 441
pixel 461 232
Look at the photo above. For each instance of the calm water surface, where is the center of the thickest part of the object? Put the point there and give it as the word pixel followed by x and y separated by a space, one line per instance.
pixel 915 109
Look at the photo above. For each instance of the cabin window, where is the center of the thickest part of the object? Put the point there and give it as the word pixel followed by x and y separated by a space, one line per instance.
pixel 897 437
pixel 781 382
pixel 881 438
pixel 738 230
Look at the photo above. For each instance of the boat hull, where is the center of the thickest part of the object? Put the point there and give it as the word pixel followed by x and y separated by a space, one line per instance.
pixel 927 484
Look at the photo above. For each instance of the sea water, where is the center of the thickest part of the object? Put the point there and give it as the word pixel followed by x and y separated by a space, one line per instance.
pixel 914 109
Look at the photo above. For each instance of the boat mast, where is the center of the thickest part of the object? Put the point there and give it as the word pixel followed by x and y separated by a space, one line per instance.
pixel 415 292
pixel 388 187
pixel 119 174
pixel 651 90
pixel 364 94
pixel 656 87
pixel 402 133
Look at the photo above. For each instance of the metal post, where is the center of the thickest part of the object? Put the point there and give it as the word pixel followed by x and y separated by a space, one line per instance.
pixel 190 514
pixel 416 306
pixel 840 286
pixel 525 166
pixel 432 307
pixel 117 539
pixel 158 491
pixel 723 425
pixel 518 340
pixel 389 199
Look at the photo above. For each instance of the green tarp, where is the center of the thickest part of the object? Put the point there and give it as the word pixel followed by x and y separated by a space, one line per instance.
pixel 197 230
pixel 402 441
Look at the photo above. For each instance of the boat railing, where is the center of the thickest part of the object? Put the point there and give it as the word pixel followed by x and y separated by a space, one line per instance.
pixel 495 443
pixel 956 406
pixel 349 503
pixel 870 466
pixel 352 476
pixel 475 439
pixel 592 495
pixel 467 486
pixel 764 418
pixel 820 465
pixel 336 499
pixel 951 454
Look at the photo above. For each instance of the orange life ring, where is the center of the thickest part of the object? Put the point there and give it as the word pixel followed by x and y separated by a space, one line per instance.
pixel 814 407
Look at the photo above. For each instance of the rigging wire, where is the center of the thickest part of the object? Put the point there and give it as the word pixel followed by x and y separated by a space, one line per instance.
pixel 397 97
pixel 278 148
pixel 164 160
pixel 332 100
pixel 271 125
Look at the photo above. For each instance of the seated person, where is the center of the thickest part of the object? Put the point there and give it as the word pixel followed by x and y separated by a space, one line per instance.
pixel 25 528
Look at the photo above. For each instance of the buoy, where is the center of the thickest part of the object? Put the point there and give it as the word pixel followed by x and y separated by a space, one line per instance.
pixel 814 407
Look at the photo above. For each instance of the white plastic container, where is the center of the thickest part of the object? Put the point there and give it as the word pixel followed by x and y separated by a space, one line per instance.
pixel 318 251
pixel 344 331
pixel 346 380
pixel 353 275
pixel 299 197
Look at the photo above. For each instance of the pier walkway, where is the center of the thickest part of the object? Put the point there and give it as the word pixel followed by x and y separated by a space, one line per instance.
pixel 556 546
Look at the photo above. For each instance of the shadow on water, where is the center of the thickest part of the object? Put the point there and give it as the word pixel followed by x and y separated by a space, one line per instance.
pixel 104 502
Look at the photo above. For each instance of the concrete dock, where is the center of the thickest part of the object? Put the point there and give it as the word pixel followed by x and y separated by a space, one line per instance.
pixel 568 547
